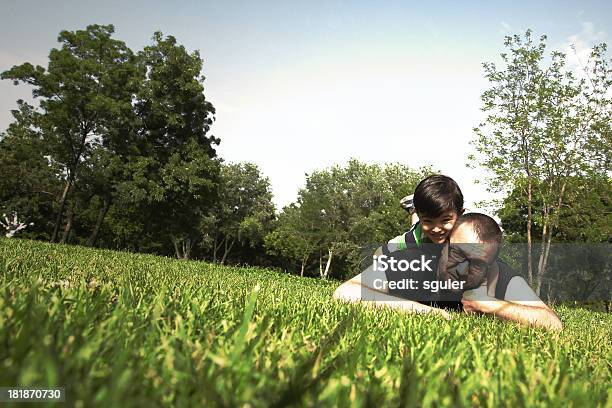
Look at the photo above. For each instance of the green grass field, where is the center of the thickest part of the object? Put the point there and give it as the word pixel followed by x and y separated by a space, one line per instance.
pixel 118 329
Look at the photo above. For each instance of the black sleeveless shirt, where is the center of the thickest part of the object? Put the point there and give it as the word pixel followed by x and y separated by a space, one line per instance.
pixel 505 274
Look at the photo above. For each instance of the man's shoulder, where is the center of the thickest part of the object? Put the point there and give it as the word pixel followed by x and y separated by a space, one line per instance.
pixel 518 290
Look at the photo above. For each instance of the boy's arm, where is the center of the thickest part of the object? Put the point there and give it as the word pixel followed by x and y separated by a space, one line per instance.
pixel 354 291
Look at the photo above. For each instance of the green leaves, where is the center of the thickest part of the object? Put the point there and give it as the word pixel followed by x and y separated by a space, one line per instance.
pixel 542 121
pixel 126 134
pixel 342 210
pixel 243 213
pixel 172 103
pixel 85 99
pixel 547 128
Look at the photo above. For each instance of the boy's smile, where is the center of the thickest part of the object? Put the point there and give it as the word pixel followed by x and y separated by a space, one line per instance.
pixel 438 229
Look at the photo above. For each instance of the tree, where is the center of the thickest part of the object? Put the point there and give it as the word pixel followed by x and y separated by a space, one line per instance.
pixel 244 212
pixel 584 218
pixel 29 182
pixel 126 135
pixel 543 127
pixel 87 88
pixel 578 267
pixel 173 174
pixel 341 212
pixel 100 176
pixel 292 237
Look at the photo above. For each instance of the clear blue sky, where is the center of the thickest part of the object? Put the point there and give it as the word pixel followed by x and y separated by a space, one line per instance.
pixel 301 86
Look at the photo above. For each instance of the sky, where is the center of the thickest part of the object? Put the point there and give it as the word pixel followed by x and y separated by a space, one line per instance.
pixel 301 86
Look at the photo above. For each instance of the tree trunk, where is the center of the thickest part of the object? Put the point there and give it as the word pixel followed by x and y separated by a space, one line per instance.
pixel 543 260
pixel 320 264
pixel 60 213
pixel 304 260
pixel 547 237
pixel 71 177
pixel 68 226
pixel 227 250
pixel 217 247
pixel 91 241
pixel 177 248
pixel 330 253
pixel 529 222
pixel 187 245
pixel 182 247
pixel 538 284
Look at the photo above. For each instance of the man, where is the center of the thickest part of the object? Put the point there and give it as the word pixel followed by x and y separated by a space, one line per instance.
pixel 494 288
pixel 503 293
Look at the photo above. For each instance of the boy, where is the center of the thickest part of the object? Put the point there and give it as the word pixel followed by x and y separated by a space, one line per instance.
pixel 438 202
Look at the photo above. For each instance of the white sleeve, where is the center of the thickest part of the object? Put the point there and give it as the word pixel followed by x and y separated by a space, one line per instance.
pixel 518 290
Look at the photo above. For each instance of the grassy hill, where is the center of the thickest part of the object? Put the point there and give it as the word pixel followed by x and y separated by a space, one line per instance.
pixel 119 329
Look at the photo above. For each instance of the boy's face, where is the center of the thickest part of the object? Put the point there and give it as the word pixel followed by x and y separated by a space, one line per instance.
pixel 438 229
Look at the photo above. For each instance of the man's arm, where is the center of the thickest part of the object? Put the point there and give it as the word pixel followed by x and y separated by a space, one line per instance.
pixel 355 291
pixel 521 305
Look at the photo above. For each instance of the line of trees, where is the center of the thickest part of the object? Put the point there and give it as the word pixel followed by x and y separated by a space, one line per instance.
pixel 341 215
pixel 118 154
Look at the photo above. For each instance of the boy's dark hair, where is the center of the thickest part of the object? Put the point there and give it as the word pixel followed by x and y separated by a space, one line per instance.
pixel 437 194
pixel 485 227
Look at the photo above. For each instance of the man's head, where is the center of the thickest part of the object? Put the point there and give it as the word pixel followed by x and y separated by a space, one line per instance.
pixel 474 246
pixel 438 202
pixel 476 228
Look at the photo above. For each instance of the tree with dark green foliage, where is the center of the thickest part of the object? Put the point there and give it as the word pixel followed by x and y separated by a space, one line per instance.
pixel 243 214
pixel 341 212
pixel 174 179
pixel 293 237
pixel 29 184
pixel 86 90
pixel 585 218
pixel 125 134
pixel 579 269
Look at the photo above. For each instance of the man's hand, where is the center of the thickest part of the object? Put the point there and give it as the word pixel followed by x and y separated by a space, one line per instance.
pixel 531 313
pixel 441 312
pixel 478 300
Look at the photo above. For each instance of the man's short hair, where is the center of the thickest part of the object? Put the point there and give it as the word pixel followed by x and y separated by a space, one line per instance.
pixel 437 194
pixel 485 227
